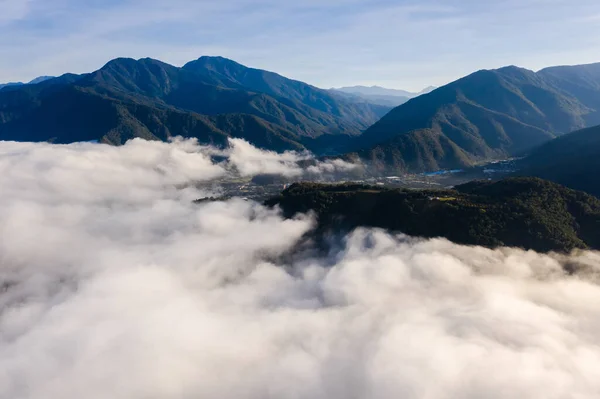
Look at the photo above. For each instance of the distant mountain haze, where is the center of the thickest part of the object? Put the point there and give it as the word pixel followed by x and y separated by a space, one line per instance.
pixel 40 79
pixel 382 91
pixel 211 99
pixel 37 80
pixel 490 114
pixel 379 95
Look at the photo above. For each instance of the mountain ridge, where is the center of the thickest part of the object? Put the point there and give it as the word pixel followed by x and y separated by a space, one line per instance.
pixel 490 114
pixel 289 114
pixel 37 80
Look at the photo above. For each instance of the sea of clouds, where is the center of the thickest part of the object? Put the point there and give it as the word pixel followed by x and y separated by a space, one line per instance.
pixel 114 284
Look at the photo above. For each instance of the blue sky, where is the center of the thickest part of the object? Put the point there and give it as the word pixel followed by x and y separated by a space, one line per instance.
pixel 401 44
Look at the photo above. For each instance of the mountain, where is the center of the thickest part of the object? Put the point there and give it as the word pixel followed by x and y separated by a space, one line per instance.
pixel 572 160
pixel 211 99
pixel 384 100
pixel 37 80
pixel 40 79
pixel 9 84
pixel 379 95
pixel 382 91
pixel 426 90
pixel 490 114
pixel 518 212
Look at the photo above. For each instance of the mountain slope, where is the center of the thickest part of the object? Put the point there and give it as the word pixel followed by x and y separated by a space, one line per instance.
pixel 488 115
pixel 572 160
pixel 337 115
pixel 519 212
pixel 72 114
pixel 148 98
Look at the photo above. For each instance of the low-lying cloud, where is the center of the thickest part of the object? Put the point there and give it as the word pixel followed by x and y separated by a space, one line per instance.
pixel 113 284
pixel 247 160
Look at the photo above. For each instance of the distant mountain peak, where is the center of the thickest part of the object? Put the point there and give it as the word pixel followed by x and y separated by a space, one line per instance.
pixel 381 91
pixel 37 80
pixel 119 61
pixel 379 95
pixel 40 79
pixel 209 60
pixel 428 89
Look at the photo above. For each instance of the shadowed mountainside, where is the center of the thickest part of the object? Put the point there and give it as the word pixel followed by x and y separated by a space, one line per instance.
pixel 490 114
pixel 572 160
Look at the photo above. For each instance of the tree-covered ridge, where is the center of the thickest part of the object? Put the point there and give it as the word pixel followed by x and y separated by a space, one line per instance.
pixel 209 99
pixel 489 114
pixel 519 212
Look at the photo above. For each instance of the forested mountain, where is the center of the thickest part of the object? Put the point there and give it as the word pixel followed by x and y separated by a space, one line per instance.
pixel 520 212
pixel 572 160
pixel 211 98
pixel 487 115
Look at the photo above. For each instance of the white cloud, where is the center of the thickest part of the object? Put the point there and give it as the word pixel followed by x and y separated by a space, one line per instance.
pixel 251 161
pixel 114 284
pixel 248 160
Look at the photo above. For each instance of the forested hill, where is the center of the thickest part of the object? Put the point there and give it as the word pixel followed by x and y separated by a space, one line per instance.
pixel 528 213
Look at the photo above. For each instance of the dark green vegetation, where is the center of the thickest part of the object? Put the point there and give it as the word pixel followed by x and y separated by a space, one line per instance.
pixel 490 114
pixel 519 212
pixel 211 99
pixel 572 160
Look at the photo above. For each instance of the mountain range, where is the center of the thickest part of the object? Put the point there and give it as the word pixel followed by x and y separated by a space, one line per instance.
pixel 490 114
pixel 379 95
pixel 211 98
pixel 37 80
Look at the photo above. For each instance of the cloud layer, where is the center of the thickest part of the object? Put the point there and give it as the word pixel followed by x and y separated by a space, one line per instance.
pixel 114 284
